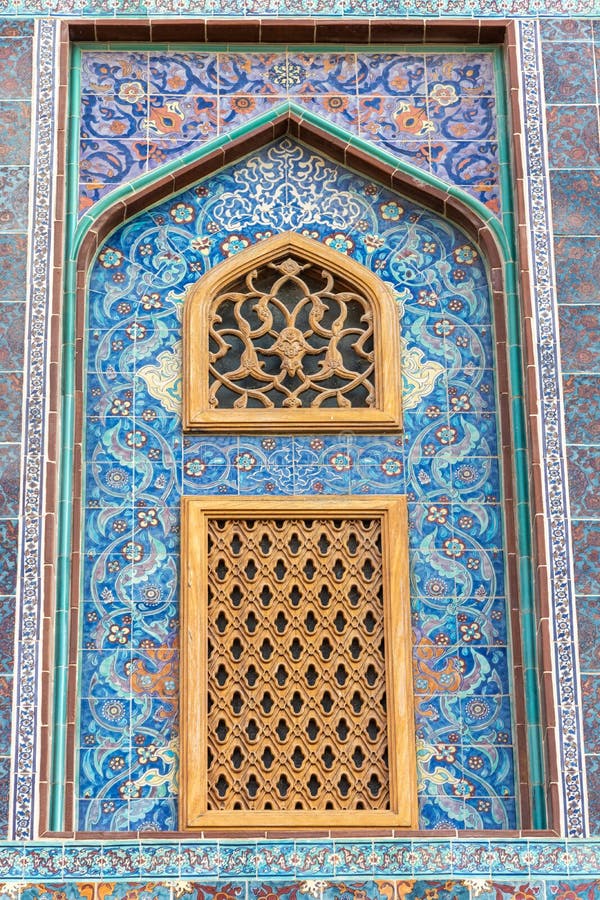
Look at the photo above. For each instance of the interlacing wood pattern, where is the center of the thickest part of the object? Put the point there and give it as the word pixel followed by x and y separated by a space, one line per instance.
pixel 289 335
pixel 296 665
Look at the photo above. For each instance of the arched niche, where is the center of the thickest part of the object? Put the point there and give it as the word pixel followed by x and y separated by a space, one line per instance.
pixel 477 228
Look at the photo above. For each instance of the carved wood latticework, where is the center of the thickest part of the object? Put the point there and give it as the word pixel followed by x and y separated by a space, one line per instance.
pixel 294 611
pixel 290 335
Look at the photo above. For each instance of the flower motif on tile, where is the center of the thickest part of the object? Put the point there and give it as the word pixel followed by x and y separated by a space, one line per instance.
pixel 443 94
pixel 412 119
pixel 195 96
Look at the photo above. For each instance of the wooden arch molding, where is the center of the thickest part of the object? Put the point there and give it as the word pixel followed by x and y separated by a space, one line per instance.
pixel 273 350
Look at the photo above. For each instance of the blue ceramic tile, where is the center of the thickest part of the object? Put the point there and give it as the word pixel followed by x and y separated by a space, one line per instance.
pixel 8 553
pixel 15 67
pixel 12 326
pixel 124 73
pixel 484 813
pixel 353 857
pixel 275 860
pixel 566 29
pixel 237 860
pixel 81 862
pixel 13 197
pixel 15 132
pixel 577 269
pixel 548 857
pixel 584 482
pixel 7 621
pixel 15 28
pixel 588 620
pixel 391 74
pixel 470 74
pixel 593 784
pixel 568 71
pixel 183 73
pixel 314 859
pixel 6 691
pixel 13 263
pixel 590 694
pixel 9 479
pixel 470 857
pixel 581 396
pixel 507 858
pixel 573 141
pixel 575 199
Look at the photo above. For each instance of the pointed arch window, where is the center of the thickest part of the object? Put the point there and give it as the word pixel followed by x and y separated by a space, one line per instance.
pixel 291 336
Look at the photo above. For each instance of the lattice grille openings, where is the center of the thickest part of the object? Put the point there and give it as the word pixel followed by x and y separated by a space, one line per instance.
pixel 296 705
pixel 289 335
pixel 296 666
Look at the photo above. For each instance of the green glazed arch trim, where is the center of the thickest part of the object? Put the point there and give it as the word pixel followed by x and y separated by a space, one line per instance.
pixel 76 232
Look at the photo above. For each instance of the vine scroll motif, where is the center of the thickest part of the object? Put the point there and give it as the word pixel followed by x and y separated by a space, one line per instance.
pixel 294 337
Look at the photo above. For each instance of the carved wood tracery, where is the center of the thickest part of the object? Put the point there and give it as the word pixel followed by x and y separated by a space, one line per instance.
pixel 290 335
pixel 297 707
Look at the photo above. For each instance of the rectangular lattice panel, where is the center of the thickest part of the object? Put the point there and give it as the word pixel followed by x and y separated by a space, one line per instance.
pixel 296 666
pixel 291 615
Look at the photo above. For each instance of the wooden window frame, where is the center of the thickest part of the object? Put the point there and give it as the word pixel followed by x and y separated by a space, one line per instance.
pixel 392 511
pixel 198 415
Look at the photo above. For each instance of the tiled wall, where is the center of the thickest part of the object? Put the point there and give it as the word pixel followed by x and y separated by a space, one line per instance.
pixel 16 41
pixel 571 53
pixel 138 464
pixel 572 97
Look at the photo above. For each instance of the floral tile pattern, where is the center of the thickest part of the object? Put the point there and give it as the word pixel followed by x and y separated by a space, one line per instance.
pixel 578 269
pixel 139 463
pixel 572 90
pixel 140 109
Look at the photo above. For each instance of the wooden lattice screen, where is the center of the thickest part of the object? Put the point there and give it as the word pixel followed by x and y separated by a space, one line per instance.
pixel 292 711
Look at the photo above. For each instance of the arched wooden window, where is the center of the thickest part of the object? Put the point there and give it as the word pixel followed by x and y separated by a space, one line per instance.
pixel 291 336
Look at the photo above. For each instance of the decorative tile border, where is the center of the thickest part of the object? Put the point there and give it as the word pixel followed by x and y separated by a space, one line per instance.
pixel 302 859
pixel 548 368
pixel 133 9
pixel 35 386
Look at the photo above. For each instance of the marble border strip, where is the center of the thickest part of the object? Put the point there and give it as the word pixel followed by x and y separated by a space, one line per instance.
pixel 553 444
pixel 35 390
pixel 301 859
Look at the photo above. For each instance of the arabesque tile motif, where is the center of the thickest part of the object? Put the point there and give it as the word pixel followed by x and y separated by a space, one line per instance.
pixel 139 463
pixel 141 109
